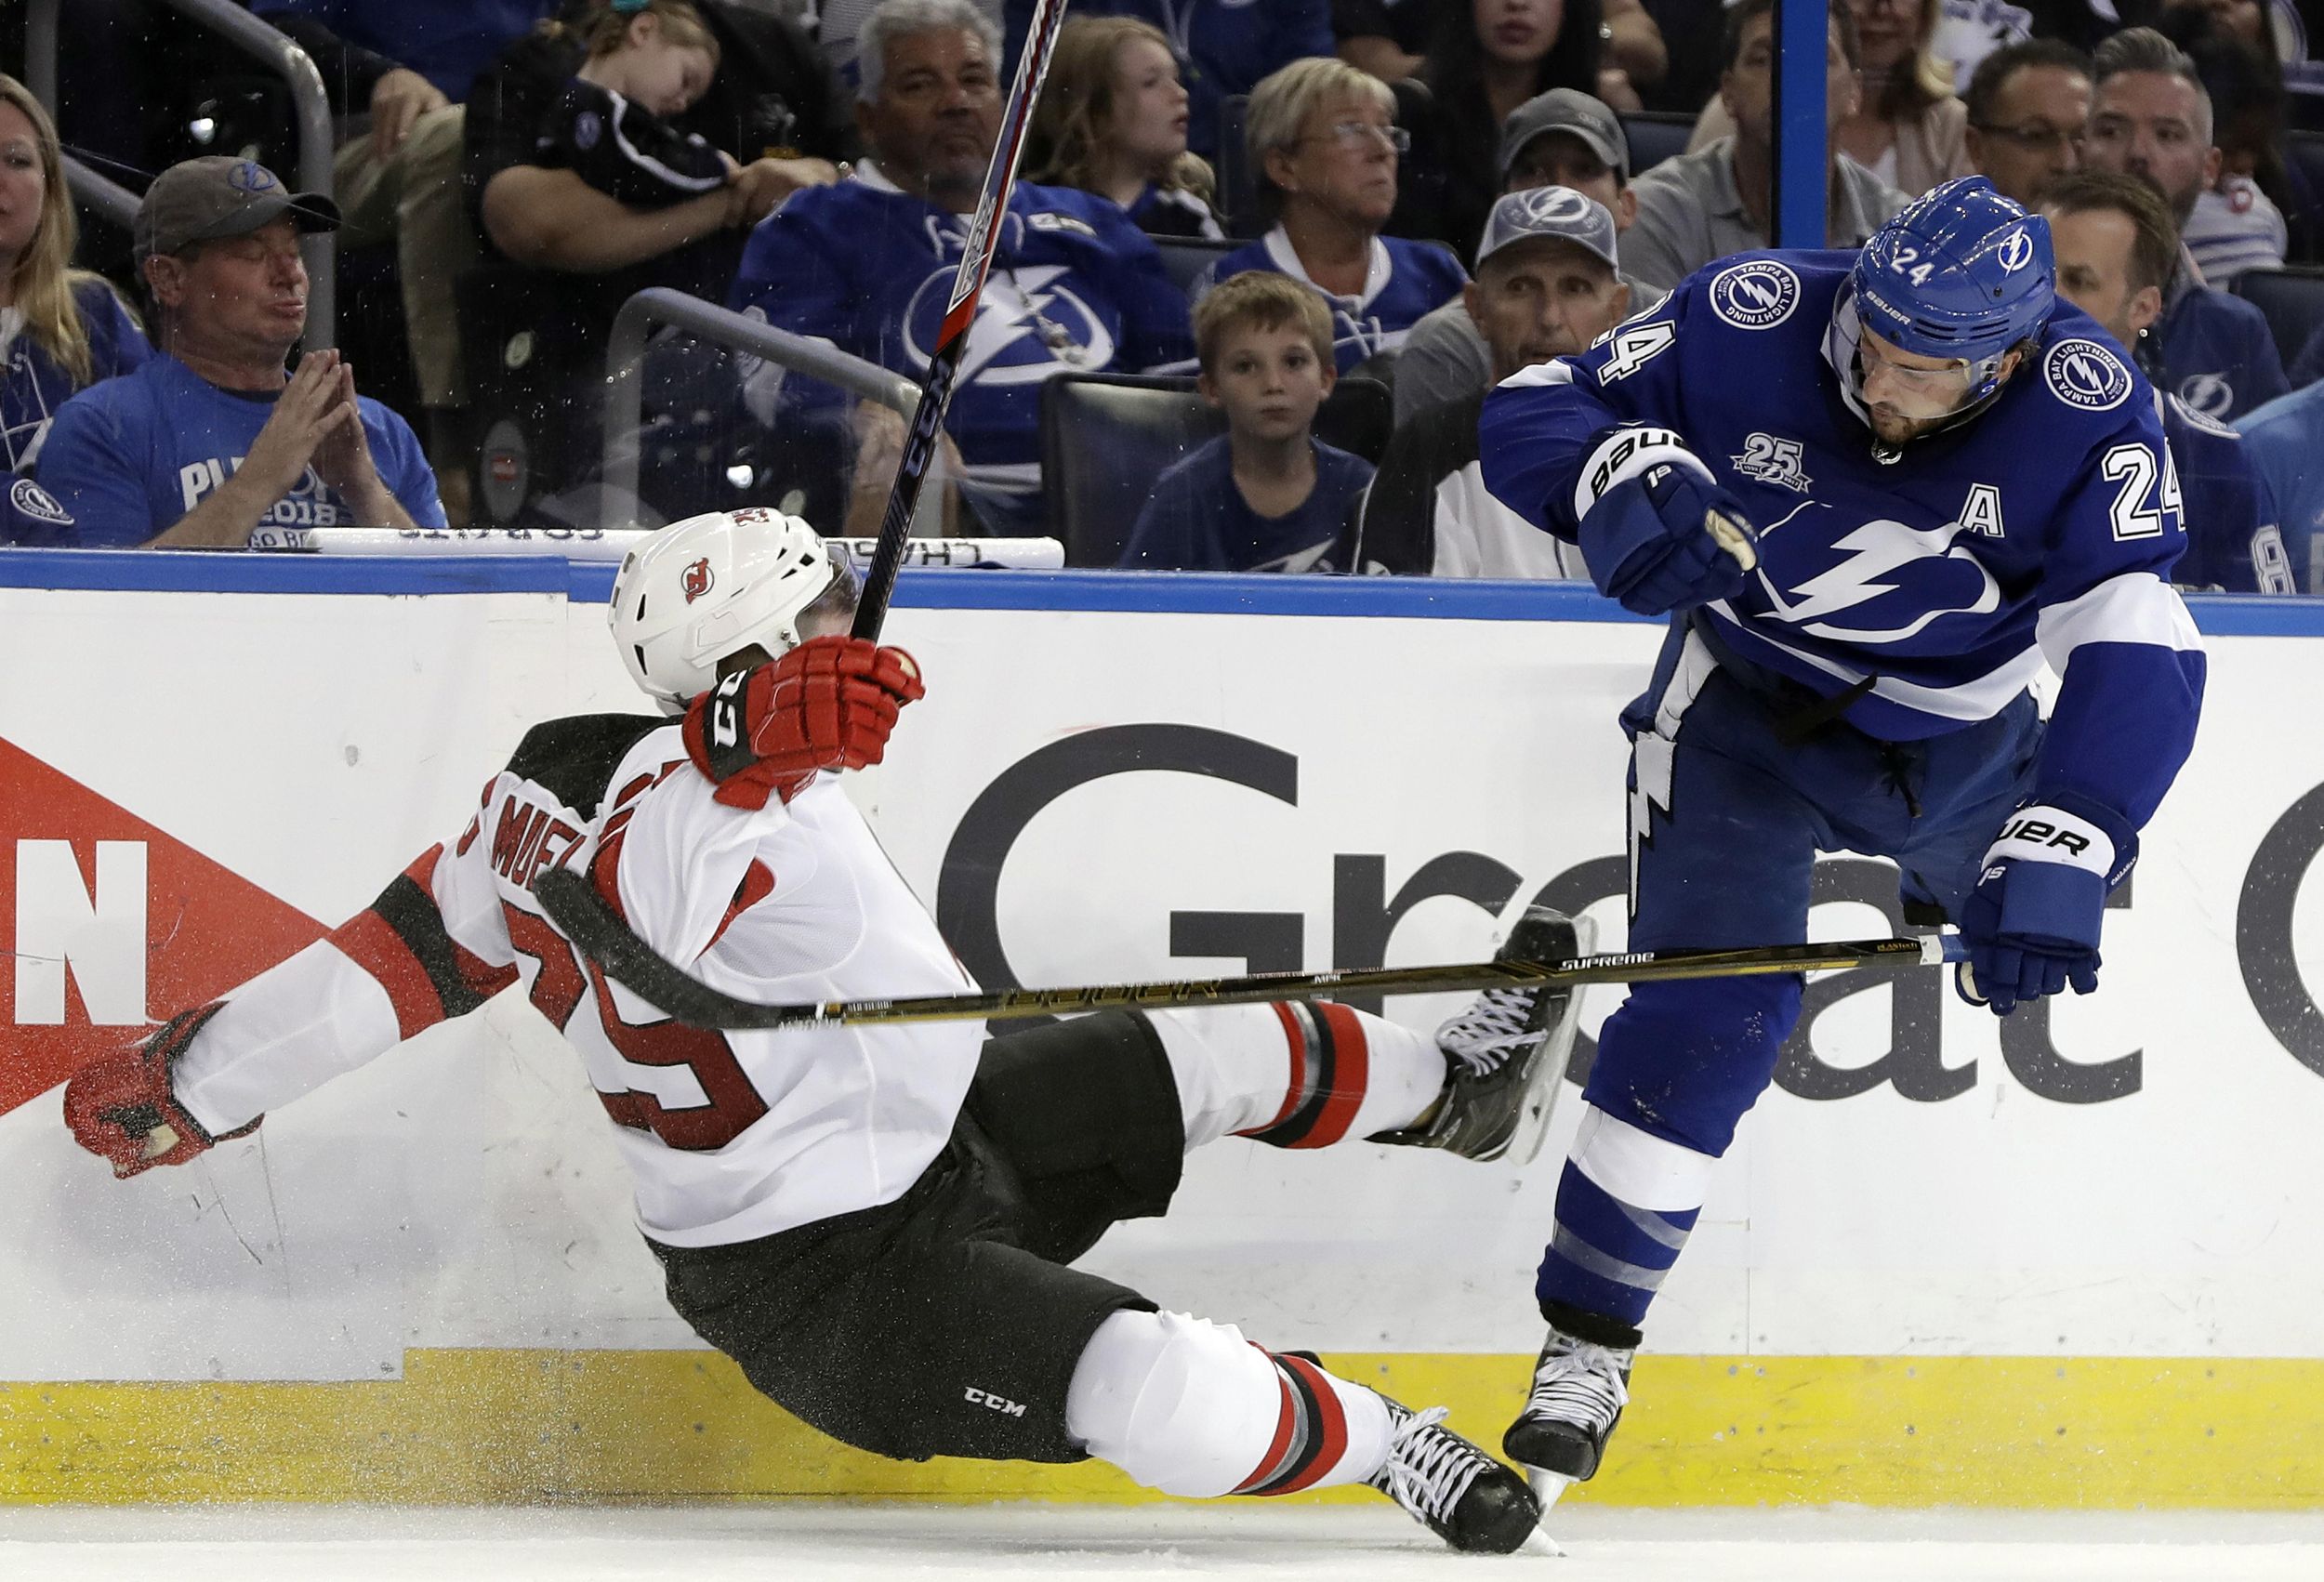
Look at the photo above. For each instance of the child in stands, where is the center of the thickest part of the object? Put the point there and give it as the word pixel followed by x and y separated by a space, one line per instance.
pixel 1266 495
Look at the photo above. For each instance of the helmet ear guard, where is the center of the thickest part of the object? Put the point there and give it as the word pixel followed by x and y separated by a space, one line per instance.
pixel 710 587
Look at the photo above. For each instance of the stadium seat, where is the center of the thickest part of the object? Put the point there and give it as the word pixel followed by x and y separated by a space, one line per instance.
pixel 2294 301
pixel 1238 187
pixel 1105 438
pixel 1655 136
pixel 1186 256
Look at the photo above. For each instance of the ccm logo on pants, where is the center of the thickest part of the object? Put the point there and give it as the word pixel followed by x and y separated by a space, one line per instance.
pixel 976 1397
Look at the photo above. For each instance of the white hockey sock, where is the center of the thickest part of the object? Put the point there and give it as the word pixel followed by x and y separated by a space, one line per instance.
pixel 1191 1408
pixel 1296 1074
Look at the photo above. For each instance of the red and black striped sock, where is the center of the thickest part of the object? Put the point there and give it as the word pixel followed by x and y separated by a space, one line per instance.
pixel 1311 1437
pixel 1330 1067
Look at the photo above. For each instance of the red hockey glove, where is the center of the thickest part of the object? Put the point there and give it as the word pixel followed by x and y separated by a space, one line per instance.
pixel 828 703
pixel 121 1109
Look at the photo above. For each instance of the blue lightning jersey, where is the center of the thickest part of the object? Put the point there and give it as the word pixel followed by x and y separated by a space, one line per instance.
pixel 1074 288
pixel 2232 541
pixel 2045 527
pixel 1405 282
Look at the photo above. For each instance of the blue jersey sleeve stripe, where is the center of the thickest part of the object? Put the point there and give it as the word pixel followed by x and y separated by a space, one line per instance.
pixel 2136 607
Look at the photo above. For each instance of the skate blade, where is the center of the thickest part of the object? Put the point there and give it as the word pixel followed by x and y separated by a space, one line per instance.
pixel 1539 1545
pixel 1540 1104
pixel 1547 1487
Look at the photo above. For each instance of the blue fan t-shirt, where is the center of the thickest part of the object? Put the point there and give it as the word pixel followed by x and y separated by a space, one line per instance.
pixel 1404 282
pixel 34 385
pixel 1197 521
pixel 128 457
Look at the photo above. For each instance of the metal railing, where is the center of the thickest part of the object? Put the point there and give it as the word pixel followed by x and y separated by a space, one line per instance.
pixel 625 389
pixel 315 134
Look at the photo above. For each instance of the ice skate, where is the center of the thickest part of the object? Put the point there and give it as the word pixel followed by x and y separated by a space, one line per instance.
pixel 1463 1495
pixel 1578 1392
pixel 1507 1052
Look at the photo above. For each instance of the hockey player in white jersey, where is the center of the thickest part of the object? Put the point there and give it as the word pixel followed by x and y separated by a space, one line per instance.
pixel 875 1222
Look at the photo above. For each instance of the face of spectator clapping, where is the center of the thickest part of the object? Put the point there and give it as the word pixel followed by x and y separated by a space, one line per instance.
pixel 2035 135
pixel 1148 123
pixel 1344 161
pixel 1561 159
pixel 937 116
pixel 1749 88
pixel 2145 124
pixel 1519 32
pixel 23 185
pixel 241 299
pixel 1540 299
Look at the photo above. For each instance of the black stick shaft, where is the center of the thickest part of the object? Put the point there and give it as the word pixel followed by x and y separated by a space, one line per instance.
pixel 585 918
pixel 967 286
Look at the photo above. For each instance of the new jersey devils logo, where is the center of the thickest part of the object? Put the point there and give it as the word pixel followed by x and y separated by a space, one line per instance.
pixel 696 579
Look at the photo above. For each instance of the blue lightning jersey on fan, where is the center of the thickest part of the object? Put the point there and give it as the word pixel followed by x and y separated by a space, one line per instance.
pixel 2045 527
pixel 1404 282
pixel 1074 288
pixel 2232 541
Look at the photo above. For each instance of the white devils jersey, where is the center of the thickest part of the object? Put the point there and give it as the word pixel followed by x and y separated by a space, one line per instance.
pixel 729 1136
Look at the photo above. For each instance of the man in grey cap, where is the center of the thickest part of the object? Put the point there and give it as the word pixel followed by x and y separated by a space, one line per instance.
pixel 212 444
pixel 1559 138
pixel 1545 288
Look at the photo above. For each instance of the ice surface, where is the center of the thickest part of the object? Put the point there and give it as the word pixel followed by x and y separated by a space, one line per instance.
pixel 808 1541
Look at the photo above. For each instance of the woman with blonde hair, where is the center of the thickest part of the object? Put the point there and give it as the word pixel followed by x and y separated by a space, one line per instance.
pixel 61 329
pixel 1112 121
pixel 1909 128
pixel 1325 146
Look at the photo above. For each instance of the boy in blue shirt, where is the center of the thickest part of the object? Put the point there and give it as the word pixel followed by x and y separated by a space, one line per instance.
pixel 214 440
pixel 1266 495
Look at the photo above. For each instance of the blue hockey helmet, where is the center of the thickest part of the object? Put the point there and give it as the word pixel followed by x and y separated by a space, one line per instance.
pixel 1960 272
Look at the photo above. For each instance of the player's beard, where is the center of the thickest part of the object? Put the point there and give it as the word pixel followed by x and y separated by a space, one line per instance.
pixel 1892 428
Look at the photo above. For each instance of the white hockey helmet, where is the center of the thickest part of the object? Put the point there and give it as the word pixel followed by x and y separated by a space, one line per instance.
pixel 710 585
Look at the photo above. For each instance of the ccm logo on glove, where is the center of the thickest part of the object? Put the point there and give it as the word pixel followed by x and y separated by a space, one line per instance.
pixel 827 704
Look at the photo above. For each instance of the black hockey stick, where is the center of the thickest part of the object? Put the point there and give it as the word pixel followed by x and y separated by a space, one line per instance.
pixel 944 364
pixel 573 904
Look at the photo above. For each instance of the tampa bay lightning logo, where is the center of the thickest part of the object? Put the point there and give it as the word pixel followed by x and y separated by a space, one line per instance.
pixel 2017 251
pixel 1837 592
pixel 31 500
pixel 2206 421
pixel 2082 373
pixel 249 175
pixel 2207 395
pixel 1756 295
pixel 1031 325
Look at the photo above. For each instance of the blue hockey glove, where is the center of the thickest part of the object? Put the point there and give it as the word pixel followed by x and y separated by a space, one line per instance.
pixel 1668 538
pixel 2031 925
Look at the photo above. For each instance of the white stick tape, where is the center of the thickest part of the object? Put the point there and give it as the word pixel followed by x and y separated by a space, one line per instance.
pixel 595 544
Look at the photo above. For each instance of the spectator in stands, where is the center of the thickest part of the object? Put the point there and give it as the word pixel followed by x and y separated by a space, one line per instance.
pixel 62 330
pixel 838 21
pixel 1970 32
pixel 1907 128
pixel 610 125
pixel 405 67
pixel 1266 495
pixel 2239 220
pixel 1111 121
pixel 2285 442
pixel 211 440
pixel 2116 245
pixel 869 264
pixel 1562 138
pixel 1325 145
pixel 1716 201
pixel 1485 59
pixel 1546 287
pixel 771 107
pixel 2152 119
pixel 2028 107
pixel 1225 47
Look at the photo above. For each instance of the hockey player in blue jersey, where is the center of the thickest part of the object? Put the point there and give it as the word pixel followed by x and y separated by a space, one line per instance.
pixel 1874 492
